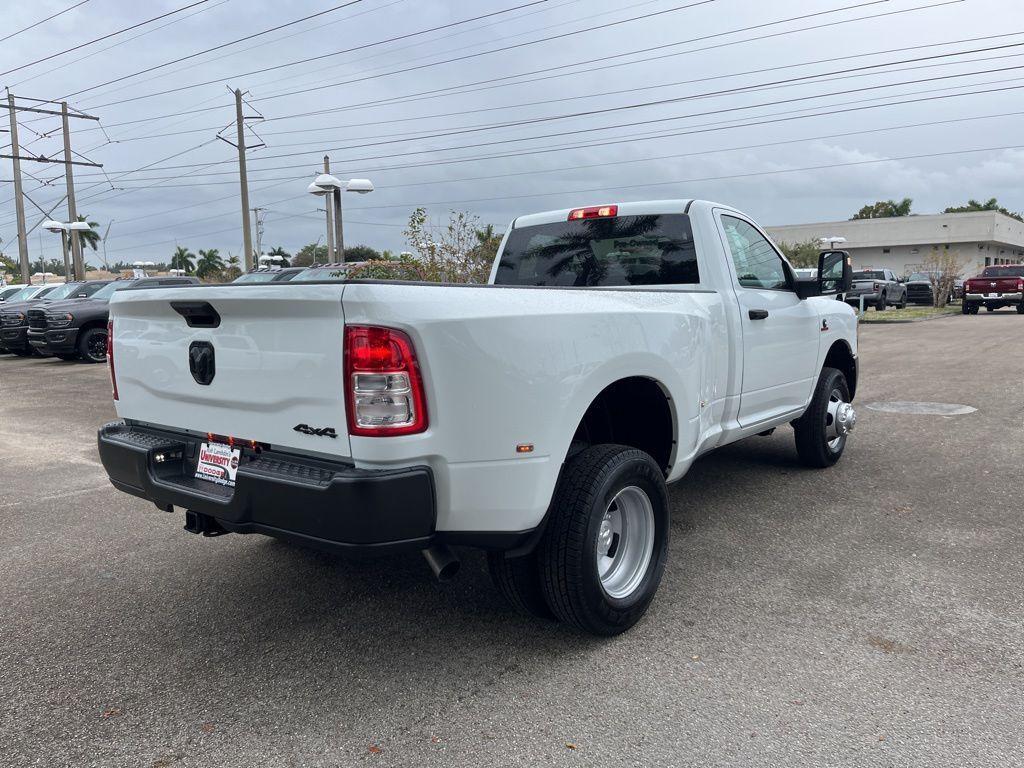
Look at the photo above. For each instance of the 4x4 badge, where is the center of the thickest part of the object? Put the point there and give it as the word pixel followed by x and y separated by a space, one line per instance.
pixel 315 431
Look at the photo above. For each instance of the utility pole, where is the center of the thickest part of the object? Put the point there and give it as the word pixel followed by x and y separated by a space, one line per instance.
pixel 19 202
pixel 331 254
pixel 69 177
pixel 243 179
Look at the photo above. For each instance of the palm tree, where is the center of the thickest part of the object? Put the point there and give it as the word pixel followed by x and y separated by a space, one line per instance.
pixel 279 251
pixel 210 263
pixel 184 259
pixel 89 236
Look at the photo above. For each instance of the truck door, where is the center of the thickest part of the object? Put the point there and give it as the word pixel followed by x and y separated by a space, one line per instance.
pixel 780 331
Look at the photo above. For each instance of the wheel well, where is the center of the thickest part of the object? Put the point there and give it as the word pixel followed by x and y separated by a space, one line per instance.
pixel 840 357
pixel 633 412
pixel 88 326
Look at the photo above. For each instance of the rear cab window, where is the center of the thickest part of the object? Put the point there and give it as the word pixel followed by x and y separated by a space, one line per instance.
pixel 655 249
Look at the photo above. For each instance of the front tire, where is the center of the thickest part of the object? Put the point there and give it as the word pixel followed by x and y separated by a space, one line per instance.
pixel 92 346
pixel 822 431
pixel 604 550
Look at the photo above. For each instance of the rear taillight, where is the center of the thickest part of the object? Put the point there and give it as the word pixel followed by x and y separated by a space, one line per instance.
pixel 876 287
pixel 110 356
pixel 384 394
pixel 1020 285
pixel 594 212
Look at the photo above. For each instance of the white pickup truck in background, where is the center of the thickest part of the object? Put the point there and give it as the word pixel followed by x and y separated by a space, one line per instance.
pixel 538 417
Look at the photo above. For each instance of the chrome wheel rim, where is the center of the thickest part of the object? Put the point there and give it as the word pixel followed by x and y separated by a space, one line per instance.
pixel 840 419
pixel 625 542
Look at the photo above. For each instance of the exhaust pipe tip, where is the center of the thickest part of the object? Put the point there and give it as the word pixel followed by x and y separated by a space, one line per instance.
pixel 442 561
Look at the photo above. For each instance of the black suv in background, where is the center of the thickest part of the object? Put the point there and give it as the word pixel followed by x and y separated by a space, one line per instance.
pixel 79 328
pixel 14 314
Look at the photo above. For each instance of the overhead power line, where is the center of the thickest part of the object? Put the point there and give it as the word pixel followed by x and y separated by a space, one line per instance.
pixel 43 21
pixel 813 27
pixel 419 96
pixel 105 37
pixel 592 112
pixel 216 48
pixel 396 38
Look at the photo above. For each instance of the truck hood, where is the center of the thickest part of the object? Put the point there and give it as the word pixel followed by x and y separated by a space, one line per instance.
pixel 69 305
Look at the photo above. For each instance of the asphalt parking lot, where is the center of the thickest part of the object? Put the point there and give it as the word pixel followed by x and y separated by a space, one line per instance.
pixel 867 615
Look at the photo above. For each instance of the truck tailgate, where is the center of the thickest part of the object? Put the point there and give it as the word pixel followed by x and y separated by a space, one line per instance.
pixel 277 353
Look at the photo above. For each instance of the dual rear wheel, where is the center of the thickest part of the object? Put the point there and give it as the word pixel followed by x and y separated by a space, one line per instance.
pixel 602 554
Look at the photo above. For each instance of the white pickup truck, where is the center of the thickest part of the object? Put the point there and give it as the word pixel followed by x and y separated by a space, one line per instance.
pixel 538 417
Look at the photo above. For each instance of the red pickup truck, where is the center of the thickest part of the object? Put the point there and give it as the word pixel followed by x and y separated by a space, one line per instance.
pixel 997 286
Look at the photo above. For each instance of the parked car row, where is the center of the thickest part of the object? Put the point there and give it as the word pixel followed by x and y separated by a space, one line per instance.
pixel 66 320
pixel 69 320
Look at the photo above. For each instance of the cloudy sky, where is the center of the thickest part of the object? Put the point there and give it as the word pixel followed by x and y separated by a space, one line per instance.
pixel 504 107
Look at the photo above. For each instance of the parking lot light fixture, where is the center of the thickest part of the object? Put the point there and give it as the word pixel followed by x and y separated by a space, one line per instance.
pixel 59 226
pixel 328 184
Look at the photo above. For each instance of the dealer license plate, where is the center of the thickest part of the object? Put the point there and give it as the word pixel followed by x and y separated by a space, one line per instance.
pixel 218 463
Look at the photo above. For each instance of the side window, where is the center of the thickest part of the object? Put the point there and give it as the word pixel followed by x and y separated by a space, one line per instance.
pixel 758 265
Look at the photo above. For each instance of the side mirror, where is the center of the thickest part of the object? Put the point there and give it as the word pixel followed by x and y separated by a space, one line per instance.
pixel 835 272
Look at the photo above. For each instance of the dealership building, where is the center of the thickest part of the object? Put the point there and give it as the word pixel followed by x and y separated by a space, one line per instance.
pixel 902 243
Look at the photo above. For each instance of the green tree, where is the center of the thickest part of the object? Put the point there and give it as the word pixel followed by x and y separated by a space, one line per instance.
pixel 885 209
pixel 233 270
pixel 989 205
pixel 184 259
pixel 285 256
pixel 310 254
pixel 210 264
pixel 802 255
pixel 90 236
pixel 362 253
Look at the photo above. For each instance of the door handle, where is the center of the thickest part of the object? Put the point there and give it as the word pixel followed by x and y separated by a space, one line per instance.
pixel 758 314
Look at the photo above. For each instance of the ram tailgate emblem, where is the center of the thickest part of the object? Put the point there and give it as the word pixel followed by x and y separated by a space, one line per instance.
pixel 316 431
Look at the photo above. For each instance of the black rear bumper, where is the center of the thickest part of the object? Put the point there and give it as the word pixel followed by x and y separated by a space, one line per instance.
pixel 329 505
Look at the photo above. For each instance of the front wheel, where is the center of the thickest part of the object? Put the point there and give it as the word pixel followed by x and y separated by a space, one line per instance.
pixel 604 550
pixel 822 431
pixel 903 302
pixel 92 345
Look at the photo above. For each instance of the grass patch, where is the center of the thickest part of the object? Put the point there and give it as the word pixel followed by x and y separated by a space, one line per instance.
pixel 911 313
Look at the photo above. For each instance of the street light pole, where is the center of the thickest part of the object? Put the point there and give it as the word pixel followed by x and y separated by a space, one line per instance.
pixel 339 236
pixel 67 259
pixel 330 221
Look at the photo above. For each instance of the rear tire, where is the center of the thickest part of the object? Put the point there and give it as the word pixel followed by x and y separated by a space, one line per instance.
pixel 90 344
pixel 880 304
pixel 604 550
pixel 1020 308
pixel 817 443
pixel 518 580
